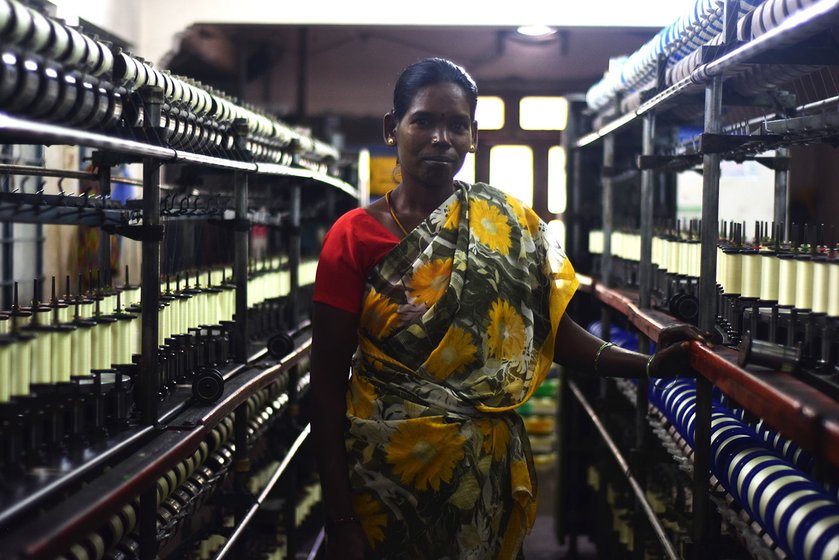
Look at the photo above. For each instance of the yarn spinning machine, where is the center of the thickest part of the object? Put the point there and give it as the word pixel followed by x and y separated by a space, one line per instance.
pixel 156 412
pixel 736 458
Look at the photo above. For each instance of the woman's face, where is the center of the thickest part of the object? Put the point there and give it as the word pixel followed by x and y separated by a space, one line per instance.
pixel 435 135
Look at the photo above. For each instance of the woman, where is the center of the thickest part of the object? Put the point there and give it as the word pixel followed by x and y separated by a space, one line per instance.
pixel 452 298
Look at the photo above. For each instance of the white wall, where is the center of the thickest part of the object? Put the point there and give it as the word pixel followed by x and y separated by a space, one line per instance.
pixel 120 17
pixel 747 194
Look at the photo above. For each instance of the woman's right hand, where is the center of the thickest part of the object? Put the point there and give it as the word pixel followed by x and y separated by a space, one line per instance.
pixel 347 542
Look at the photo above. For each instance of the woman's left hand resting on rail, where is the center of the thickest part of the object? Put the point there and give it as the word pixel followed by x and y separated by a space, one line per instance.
pixel 580 350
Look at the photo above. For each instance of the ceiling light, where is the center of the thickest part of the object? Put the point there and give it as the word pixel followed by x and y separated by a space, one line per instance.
pixel 536 30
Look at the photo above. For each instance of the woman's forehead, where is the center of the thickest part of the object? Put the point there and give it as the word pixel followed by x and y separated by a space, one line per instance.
pixel 443 97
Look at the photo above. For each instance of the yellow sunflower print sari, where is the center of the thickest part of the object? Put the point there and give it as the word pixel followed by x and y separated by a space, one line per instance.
pixel 457 330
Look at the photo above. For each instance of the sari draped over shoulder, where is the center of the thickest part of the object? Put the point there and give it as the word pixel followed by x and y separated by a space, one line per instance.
pixel 457 330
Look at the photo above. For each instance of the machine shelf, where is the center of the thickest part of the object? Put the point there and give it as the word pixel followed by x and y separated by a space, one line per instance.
pixel 796 27
pixel 795 409
pixel 163 446
pixel 14 129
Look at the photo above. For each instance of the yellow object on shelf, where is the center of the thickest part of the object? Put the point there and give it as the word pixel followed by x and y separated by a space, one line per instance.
pixel 593 477
pixel 539 424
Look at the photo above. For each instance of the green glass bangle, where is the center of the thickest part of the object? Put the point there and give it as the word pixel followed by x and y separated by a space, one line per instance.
pixel 649 365
pixel 597 356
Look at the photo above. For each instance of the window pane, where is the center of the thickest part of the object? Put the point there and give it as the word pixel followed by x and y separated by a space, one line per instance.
pixel 511 170
pixel 557 188
pixel 467 172
pixel 490 113
pixel 543 113
pixel 557 228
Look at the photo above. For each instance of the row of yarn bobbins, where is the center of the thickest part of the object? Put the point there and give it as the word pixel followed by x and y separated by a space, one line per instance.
pixel 799 513
pixel 183 487
pixel 673 252
pixel 681 43
pixel 53 342
pixel 55 72
pixel 75 335
pixel 271 279
pixel 193 481
pixel 687 34
pixel 804 276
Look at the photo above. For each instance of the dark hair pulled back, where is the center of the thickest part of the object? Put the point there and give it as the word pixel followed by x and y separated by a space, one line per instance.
pixel 428 72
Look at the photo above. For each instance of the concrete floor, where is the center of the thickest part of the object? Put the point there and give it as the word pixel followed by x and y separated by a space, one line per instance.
pixel 541 544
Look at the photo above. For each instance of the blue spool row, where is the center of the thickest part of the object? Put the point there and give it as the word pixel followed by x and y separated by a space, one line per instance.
pixel 799 514
pixel 788 449
pixel 689 32
pixel 618 336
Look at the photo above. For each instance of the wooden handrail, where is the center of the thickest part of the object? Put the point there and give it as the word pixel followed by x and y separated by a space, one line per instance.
pixel 790 406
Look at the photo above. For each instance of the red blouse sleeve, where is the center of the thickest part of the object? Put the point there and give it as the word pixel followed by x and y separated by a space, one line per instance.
pixel 351 248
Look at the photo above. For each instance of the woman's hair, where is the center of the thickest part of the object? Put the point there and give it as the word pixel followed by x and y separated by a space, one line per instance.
pixel 428 72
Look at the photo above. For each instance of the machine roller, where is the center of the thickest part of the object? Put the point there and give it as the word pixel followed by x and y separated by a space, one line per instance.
pixel 798 512
pixel 54 72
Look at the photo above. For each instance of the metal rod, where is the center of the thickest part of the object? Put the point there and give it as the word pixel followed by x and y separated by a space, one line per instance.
pixel 640 496
pixel 607 210
pixel 641 452
pixel 729 20
pixel 578 242
pixel 78 215
pixel 14 240
pixel 820 104
pixel 645 271
pixel 781 188
pixel 284 170
pixel 240 266
pixel 221 163
pixel 71 136
pixel 150 302
pixel 8 233
pixel 134 182
pixel 319 540
pixel 800 111
pixel 55 134
pixel 294 256
pixel 39 245
pixel 707 315
pixel 269 486
pixel 150 295
pixel 710 211
pixel 104 178
pixel 150 273
pixel 574 242
pixel 36 171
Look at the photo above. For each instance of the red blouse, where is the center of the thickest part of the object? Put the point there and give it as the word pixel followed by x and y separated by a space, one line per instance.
pixel 351 248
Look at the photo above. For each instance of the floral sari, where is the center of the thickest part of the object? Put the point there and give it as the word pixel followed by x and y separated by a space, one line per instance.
pixel 457 329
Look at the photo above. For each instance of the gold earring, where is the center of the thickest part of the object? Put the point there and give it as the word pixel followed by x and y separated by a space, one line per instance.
pixel 391 141
pixel 471 147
